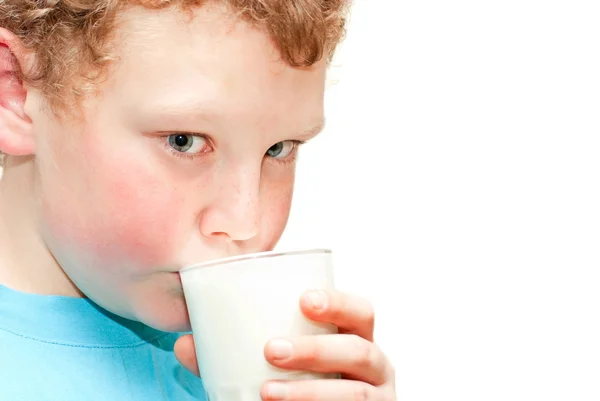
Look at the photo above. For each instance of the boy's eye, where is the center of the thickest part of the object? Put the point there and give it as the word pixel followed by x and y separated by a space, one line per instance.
pixel 187 143
pixel 281 150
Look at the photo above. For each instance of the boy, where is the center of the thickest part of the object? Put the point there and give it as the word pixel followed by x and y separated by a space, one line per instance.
pixel 141 136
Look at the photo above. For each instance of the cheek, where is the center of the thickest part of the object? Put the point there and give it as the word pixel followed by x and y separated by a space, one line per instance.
pixel 123 213
pixel 136 225
pixel 276 210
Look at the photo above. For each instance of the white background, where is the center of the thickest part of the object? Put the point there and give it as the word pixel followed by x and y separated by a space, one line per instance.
pixel 458 185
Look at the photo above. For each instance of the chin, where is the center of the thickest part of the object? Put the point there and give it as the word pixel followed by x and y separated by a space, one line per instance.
pixel 167 312
pixel 169 321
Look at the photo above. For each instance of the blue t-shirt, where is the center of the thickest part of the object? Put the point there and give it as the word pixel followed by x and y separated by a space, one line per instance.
pixel 66 349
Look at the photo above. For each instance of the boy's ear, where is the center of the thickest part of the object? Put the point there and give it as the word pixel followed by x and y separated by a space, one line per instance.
pixel 16 129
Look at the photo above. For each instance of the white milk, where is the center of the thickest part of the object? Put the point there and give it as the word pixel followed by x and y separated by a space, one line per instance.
pixel 237 304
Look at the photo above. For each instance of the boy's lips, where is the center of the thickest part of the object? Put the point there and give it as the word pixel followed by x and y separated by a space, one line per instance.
pixel 177 277
pixel 215 256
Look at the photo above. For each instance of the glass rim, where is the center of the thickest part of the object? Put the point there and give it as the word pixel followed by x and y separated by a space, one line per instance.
pixel 255 255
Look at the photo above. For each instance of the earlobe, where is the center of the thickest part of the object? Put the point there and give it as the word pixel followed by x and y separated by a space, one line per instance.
pixel 16 129
pixel 16 134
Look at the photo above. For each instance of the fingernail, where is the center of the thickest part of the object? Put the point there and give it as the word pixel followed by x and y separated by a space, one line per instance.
pixel 277 391
pixel 280 349
pixel 316 299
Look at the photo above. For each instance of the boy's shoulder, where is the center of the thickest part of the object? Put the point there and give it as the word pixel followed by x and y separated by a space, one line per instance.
pixel 35 370
pixel 43 358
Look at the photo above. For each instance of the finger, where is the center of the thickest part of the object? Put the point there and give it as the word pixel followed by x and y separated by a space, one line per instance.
pixel 352 356
pixel 350 313
pixel 185 352
pixel 322 390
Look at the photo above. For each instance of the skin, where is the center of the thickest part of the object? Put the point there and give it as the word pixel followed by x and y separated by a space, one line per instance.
pixel 111 205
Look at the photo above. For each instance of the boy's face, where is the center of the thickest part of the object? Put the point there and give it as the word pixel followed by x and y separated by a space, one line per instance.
pixel 129 196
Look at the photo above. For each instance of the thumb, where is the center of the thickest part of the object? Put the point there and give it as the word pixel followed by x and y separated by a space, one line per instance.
pixel 185 352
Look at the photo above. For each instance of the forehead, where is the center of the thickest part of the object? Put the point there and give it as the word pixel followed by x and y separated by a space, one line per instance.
pixel 209 59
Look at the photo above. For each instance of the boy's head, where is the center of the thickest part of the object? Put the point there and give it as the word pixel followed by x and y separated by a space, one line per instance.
pixel 150 134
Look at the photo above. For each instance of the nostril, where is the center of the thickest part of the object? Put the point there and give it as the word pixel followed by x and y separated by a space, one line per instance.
pixel 222 235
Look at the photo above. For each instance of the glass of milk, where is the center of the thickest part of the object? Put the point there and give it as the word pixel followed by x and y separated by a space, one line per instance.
pixel 236 305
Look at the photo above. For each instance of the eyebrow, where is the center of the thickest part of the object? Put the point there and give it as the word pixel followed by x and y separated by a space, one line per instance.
pixel 181 107
pixel 200 109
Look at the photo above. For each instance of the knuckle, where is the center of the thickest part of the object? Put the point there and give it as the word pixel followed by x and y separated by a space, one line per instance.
pixel 364 353
pixel 339 305
pixel 335 309
pixel 312 353
pixel 363 393
pixel 304 393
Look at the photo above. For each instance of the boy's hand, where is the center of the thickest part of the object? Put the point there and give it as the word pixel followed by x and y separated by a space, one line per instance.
pixel 367 374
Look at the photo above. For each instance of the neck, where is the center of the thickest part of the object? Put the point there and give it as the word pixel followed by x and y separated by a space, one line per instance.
pixel 26 263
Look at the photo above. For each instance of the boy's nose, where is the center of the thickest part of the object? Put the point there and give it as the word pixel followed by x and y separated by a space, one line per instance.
pixel 234 214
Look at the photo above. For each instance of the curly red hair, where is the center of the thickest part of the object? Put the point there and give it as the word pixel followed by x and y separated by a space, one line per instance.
pixel 70 37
